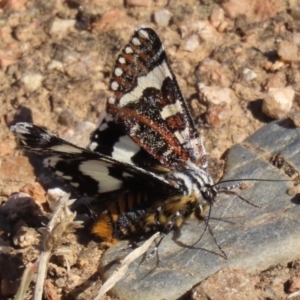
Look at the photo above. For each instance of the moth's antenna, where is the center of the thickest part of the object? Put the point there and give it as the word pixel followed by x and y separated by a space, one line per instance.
pixel 252 179
pixel 241 197
pixel 207 227
pixel 227 189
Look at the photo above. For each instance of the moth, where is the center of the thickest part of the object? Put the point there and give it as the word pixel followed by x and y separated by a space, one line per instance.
pixel 146 149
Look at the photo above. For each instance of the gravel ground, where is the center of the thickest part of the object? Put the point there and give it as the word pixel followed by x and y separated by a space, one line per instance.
pixel 237 63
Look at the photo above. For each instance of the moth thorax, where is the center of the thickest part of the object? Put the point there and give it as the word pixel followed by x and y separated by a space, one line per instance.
pixel 196 181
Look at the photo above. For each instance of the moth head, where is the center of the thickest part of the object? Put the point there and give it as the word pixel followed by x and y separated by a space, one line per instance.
pixel 209 193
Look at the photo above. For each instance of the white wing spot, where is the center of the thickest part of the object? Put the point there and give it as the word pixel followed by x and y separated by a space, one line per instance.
pixel 45 136
pixel 182 136
pixel 143 34
pixel 171 110
pixel 168 152
pixel 179 137
pixel 98 170
pixel 59 173
pixel 128 50
pixel 118 72
pixel 51 161
pixel 127 175
pixel 101 128
pixel 135 41
pixel 122 60
pixel 112 100
pixel 93 146
pixel 124 149
pixel 114 85
pixel 65 148
pixel 21 127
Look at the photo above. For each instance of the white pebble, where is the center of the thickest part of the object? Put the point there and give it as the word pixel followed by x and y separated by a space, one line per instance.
pixel 162 17
pixel 278 102
pixel 61 27
pixel 32 81
pixel 249 74
pixel 70 56
pixel 25 237
pixel 288 51
pixel 191 43
pixel 55 65
pixel 214 95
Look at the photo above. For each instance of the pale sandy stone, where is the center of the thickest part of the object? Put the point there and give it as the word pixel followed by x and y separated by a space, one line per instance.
pixel 278 102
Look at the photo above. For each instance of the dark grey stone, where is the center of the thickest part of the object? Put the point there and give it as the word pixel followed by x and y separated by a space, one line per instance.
pixel 258 238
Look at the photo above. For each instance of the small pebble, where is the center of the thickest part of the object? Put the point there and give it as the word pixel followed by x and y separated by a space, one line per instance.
pixel 277 80
pixel 270 293
pixel 18 204
pixel 295 11
pixel 288 51
pixel 219 104
pixel 296 38
pixel 138 3
pixel 294 190
pixel 55 65
pixel 61 27
pixel 5 149
pixel 25 237
pixel 162 17
pixel 35 190
pixel 69 56
pixel 278 102
pixel 51 291
pixel 277 65
pixel 218 115
pixel 14 5
pixel 214 73
pixel 254 10
pixel 295 117
pixel 229 283
pixel 203 29
pixel 24 33
pixel 60 282
pixel 191 43
pixel 32 81
pixel 249 74
pixel 81 263
pixel 217 17
pixel 66 118
pixel 74 281
pixel 223 26
pixel 294 284
pixel 214 95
